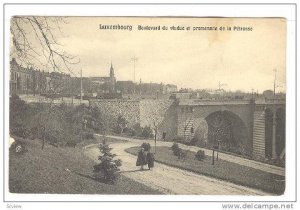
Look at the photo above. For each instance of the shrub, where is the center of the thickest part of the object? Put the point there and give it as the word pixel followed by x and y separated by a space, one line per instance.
pixel 146 146
pixel 193 141
pixel 21 131
pixel 108 168
pixel 200 155
pixel 147 132
pixel 174 146
pixel 137 130
pixel 177 151
pixel 178 139
pixel 89 134
pixel 129 131
pixel 71 144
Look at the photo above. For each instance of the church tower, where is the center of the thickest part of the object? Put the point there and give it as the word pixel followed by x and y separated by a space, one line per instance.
pixel 112 86
pixel 112 73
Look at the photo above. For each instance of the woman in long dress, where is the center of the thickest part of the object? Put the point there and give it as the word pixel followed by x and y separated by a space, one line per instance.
pixel 150 160
pixel 141 158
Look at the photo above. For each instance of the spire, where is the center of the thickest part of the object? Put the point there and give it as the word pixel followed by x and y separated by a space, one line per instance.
pixel 111 70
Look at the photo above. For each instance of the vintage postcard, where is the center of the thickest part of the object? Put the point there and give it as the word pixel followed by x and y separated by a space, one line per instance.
pixel 147 105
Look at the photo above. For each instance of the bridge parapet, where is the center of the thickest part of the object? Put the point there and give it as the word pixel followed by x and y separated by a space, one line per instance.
pixel 270 101
pixel 201 102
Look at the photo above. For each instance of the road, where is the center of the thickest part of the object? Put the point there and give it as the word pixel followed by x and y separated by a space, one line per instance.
pixel 171 180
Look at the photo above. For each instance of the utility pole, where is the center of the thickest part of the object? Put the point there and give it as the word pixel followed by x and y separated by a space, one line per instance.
pixel 221 85
pixel 140 86
pixel 134 59
pixel 275 71
pixel 81 86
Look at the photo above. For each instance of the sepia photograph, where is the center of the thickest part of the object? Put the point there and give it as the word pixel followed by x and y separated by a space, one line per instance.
pixel 147 105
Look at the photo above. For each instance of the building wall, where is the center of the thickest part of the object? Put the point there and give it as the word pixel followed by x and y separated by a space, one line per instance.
pixel 259 134
pixel 160 113
pixel 129 109
pixel 145 112
pixel 31 81
pixel 20 79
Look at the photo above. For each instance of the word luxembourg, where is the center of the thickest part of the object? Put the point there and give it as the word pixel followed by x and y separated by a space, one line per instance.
pixel 115 27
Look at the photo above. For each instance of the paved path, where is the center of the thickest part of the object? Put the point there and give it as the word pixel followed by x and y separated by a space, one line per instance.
pixel 171 180
pixel 230 158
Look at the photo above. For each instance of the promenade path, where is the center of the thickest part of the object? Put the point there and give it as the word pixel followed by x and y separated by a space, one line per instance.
pixel 170 180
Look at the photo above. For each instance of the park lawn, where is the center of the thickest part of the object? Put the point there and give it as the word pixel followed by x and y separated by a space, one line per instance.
pixel 222 169
pixel 62 171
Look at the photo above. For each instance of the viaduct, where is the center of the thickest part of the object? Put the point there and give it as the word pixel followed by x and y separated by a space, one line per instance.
pixel 248 127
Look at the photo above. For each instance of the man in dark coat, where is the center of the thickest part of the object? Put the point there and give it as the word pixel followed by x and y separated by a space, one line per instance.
pixel 150 160
pixel 141 159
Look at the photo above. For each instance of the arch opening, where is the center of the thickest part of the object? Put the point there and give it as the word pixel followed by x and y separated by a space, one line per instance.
pixel 228 132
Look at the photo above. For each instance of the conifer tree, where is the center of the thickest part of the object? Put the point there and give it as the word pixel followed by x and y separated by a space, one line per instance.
pixel 108 168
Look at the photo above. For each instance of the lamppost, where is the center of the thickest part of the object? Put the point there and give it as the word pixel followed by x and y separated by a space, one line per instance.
pixel 155 136
pixel 217 147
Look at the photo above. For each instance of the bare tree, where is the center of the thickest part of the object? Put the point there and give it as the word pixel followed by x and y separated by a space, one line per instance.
pixel 34 43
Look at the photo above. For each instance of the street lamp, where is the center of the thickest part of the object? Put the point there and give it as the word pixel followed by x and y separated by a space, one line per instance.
pixel 155 135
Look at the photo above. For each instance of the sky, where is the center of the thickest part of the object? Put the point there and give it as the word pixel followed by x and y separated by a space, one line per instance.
pixel 197 59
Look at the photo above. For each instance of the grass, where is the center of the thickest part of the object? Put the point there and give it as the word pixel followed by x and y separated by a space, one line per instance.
pixel 222 169
pixel 62 171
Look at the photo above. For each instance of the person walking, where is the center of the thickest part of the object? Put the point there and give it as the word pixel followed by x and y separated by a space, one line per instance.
pixel 141 159
pixel 150 160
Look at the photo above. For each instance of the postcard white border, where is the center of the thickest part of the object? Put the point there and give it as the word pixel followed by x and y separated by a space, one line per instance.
pixel 287 11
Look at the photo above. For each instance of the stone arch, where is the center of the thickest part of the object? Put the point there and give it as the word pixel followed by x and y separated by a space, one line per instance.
pixel 229 132
pixel 280 131
pixel 268 132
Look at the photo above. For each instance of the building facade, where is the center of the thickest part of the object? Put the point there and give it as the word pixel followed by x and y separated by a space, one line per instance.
pixel 30 81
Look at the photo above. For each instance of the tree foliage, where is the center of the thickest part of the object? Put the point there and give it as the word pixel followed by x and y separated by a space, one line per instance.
pixel 121 124
pixel 58 125
pixel 108 168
